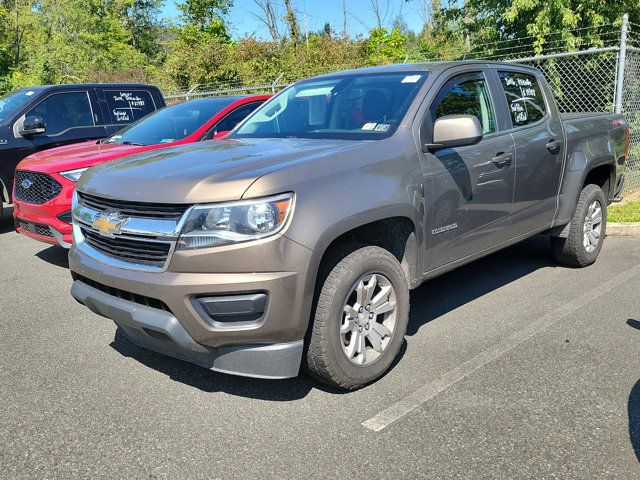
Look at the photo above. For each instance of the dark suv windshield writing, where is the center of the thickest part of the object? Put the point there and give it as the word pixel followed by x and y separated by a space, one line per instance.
pixel 171 123
pixel 362 106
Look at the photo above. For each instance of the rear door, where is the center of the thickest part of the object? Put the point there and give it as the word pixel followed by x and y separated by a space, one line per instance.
pixel 468 189
pixel 68 116
pixel 538 135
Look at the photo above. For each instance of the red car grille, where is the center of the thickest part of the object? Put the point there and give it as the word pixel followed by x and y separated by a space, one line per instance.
pixel 34 187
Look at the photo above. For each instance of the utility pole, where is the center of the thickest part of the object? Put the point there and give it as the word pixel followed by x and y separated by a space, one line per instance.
pixel 345 31
pixel 17 58
pixel 622 57
pixel 293 24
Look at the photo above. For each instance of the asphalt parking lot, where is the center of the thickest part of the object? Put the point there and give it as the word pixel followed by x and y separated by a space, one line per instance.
pixel 512 368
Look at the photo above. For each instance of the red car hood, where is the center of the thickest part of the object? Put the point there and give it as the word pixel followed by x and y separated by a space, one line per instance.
pixel 79 155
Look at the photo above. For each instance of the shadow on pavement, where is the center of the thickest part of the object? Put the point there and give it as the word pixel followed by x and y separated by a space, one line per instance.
pixel 633 407
pixel 633 323
pixel 634 418
pixel 465 284
pixel 209 381
pixel 55 255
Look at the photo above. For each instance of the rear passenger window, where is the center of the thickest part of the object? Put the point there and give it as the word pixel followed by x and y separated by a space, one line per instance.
pixel 62 111
pixel 466 94
pixel 234 118
pixel 127 106
pixel 524 97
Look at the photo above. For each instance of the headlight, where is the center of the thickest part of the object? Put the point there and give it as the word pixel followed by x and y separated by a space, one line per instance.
pixel 234 222
pixel 73 175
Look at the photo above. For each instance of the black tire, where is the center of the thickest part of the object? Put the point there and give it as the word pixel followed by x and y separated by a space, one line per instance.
pixel 325 360
pixel 571 251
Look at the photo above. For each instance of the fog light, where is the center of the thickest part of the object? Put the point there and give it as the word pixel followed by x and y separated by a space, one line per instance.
pixel 231 310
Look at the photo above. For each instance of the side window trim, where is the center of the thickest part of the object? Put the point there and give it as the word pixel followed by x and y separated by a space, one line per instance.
pixel 17 124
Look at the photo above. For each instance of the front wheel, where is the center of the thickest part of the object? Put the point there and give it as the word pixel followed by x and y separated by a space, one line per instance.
pixel 586 230
pixel 359 320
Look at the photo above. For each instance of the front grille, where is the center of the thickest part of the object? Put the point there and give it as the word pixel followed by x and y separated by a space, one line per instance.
pixel 133 209
pixel 36 228
pixel 34 187
pixel 123 294
pixel 143 252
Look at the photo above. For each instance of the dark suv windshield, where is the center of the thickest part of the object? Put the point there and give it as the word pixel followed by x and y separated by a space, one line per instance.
pixel 12 102
pixel 350 106
pixel 171 123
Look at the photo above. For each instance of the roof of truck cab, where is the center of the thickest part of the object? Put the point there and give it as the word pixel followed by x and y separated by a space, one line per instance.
pixel 422 66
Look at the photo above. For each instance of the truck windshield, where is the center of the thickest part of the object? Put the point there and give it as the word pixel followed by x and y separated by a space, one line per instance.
pixel 12 102
pixel 361 106
pixel 171 123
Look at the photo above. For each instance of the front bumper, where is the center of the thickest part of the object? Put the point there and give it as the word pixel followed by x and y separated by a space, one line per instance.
pixel 46 214
pixel 162 332
pixel 278 267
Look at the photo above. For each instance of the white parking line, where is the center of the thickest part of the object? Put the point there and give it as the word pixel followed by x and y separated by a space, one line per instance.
pixel 427 392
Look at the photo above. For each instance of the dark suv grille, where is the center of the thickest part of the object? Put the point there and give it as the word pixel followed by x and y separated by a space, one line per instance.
pixel 143 252
pixel 116 292
pixel 133 209
pixel 34 187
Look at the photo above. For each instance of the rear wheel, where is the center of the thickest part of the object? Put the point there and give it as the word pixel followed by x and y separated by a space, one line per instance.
pixel 586 230
pixel 360 319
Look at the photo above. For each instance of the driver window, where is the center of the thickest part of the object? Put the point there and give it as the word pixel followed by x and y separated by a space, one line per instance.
pixel 62 111
pixel 466 94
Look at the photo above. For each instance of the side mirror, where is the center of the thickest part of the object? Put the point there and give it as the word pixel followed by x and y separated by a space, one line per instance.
pixel 453 131
pixel 33 126
pixel 221 133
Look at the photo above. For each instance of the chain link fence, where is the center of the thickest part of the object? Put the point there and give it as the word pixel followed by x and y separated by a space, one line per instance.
pixel 631 111
pixel 587 80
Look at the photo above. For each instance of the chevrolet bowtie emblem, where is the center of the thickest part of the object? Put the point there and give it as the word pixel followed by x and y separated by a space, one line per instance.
pixel 108 224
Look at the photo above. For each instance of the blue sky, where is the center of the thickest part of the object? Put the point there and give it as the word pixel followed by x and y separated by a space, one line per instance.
pixel 360 16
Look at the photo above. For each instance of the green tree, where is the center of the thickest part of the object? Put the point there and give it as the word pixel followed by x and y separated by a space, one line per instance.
pixel 144 25
pixel 385 47
pixel 539 19
pixel 206 15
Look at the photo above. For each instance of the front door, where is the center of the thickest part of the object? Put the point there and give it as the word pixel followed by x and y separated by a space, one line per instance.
pixel 468 190
pixel 68 118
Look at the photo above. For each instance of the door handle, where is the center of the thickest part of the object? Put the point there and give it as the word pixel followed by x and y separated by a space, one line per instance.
pixel 554 146
pixel 502 159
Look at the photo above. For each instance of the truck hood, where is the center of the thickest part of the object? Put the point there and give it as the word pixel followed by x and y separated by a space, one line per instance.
pixel 213 171
pixel 79 155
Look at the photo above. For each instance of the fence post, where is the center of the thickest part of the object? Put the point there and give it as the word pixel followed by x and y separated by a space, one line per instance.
pixel 622 55
pixel 275 82
pixel 186 97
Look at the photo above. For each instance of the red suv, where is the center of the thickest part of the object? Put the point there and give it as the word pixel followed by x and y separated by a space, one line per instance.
pixel 44 181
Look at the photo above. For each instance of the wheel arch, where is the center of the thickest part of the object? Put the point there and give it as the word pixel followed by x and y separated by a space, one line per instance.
pixel 4 192
pixel 581 171
pixel 393 230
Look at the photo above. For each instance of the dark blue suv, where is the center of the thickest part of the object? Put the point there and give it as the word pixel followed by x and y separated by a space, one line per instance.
pixel 36 118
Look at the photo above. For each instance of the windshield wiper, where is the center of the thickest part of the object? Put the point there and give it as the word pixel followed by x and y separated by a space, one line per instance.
pixel 126 142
